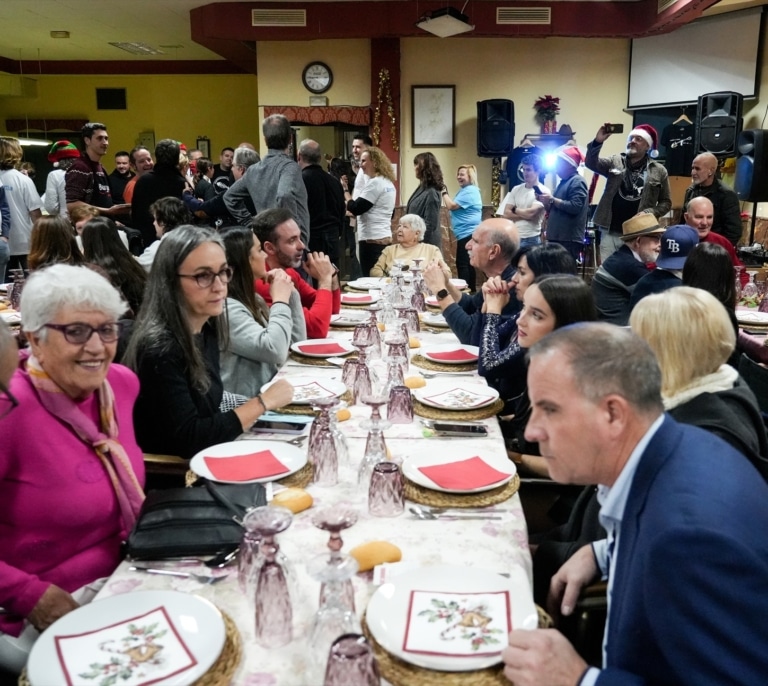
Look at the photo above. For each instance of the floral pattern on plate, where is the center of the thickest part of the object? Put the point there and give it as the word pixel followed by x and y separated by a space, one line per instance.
pixel 459 398
pixel 313 390
pixel 457 624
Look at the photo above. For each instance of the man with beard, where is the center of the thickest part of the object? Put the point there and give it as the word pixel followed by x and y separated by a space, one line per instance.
pixel 634 183
pixel 615 279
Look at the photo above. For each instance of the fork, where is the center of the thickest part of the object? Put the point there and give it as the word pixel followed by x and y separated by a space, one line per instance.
pixel 432 375
pixel 201 578
pixel 298 440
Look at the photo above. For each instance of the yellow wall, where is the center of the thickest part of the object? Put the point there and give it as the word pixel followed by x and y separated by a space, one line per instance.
pixel 222 107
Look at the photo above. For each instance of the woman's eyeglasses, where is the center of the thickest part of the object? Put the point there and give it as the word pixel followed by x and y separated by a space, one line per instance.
pixel 7 401
pixel 80 333
pixel 206 279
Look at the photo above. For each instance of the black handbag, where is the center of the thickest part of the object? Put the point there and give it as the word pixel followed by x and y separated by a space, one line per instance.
pixel 203 520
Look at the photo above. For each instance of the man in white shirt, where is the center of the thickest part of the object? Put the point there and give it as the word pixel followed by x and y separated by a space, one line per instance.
pixel 520 204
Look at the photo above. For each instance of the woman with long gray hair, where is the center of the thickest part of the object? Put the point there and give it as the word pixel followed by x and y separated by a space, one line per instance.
pixel 175 346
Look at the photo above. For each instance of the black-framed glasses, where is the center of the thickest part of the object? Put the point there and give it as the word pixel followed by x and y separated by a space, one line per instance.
pixel 7 401
pixel 206 279
pixel 79 333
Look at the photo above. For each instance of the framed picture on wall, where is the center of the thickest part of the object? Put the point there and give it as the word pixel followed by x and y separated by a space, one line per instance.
pixel 433 116
pixel 204 146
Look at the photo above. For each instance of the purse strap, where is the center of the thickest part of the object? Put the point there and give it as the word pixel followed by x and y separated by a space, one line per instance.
pixel 237 512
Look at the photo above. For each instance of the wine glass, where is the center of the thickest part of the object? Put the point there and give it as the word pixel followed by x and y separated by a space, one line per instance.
pixel 375 447
pixel 749 292
pixel 336 519
pixel 334 616
pixel 322 444
pixel 274 612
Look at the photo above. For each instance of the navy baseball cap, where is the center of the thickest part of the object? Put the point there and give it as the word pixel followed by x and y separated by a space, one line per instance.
pixel 676 244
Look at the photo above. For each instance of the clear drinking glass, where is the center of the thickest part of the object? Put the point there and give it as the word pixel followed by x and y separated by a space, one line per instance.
pixel 375 447
pixel 351 661
pixel 274 612
pixel 386 492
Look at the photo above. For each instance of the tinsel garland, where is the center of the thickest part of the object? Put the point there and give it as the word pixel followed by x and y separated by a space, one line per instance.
pixel 385 91
pixel 495 186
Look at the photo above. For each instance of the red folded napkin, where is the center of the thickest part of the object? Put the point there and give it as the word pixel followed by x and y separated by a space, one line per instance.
pixel 357 298
pixel 474 472
pixel 454 355
pixel 323 349
pixel 245 467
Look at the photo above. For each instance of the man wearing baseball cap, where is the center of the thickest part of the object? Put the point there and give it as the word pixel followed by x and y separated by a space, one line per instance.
pixel 569 205
pixel 634 182
pixel 676 244
pixel 615 279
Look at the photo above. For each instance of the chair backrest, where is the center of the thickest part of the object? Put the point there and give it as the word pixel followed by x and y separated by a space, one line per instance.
pixel 756 377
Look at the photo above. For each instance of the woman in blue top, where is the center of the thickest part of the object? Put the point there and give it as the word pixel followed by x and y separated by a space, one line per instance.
pixel 466 213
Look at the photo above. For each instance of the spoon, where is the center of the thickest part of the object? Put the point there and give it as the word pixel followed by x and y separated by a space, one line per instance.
pixel 298 441
pixel 201 578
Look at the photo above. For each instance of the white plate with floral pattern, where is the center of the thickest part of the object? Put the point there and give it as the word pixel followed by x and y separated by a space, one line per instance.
pixel 462 622
pixel 166 638
pixel 454 395
pixel 307 389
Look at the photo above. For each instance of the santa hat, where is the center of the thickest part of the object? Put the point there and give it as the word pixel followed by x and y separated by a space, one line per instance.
pixel 60 150
pixel 571 155
pixel 649 135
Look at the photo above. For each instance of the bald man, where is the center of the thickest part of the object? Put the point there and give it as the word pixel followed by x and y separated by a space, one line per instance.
pixel 493 244
pixel 727 211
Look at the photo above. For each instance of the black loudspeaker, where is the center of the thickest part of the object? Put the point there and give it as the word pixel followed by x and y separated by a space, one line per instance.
pixel 718 122
pixel 495 128
pixel 752 166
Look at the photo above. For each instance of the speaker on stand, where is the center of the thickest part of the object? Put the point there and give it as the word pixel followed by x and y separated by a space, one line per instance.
pixel 718 123
pixel 495 128
pixel 751 184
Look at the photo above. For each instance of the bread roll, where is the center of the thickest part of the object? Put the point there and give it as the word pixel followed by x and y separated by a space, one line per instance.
pixel 295 499
pixel 368 555
pixel 415 381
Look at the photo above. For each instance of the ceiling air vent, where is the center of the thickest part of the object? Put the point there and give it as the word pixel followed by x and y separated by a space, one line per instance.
pixel 664 5
pixel 285 17
pixel 524 15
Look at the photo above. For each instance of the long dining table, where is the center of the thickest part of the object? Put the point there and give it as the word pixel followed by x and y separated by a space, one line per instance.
pixel 497 545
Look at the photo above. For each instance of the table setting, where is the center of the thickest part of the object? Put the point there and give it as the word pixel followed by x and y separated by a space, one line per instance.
pixel 381 475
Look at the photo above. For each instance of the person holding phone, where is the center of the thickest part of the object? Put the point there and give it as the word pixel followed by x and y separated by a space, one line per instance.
pixel 635 182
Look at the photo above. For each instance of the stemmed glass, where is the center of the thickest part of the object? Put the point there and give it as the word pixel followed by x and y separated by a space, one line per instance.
pixel 334 616
pixel 749 293
pixel 274 613
pixel 351 661
pixel 322 444
pixel 336 519
pixel 418 299
pixel 375 447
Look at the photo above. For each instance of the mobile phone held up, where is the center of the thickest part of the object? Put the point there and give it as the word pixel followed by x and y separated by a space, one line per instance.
pixel 614 128
pixel 268 425
pixel 537 190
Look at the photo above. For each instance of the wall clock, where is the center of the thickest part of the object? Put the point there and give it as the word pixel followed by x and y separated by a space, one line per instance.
pixel 317 77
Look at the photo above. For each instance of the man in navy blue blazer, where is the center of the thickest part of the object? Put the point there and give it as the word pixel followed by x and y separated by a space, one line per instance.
pixel 687 551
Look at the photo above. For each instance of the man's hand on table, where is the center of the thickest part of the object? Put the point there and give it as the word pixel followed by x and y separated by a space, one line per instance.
pixel 543 657
pixel 54 603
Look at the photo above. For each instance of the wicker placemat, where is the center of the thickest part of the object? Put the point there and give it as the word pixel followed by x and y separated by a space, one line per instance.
pixel 220 673
pixel 421 361
pixel 428 412
pixel 426 496
pixel 300 479
pixel 402 673
pixel 318 361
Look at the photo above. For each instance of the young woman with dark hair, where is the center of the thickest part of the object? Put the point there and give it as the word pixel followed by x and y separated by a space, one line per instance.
pixel 53 242
pixel 426 199
pixel 102 246
pixel 259 335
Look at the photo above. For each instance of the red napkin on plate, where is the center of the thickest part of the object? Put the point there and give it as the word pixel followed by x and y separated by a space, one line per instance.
pixel 323 349
pixel 474 472
pixel 454 355
pixel 357 298
pixel 245 467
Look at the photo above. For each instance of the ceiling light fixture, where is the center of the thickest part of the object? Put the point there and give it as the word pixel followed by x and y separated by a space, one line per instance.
pixel 138 48
pixel 30 141
pixel 445 22
pixel 59 34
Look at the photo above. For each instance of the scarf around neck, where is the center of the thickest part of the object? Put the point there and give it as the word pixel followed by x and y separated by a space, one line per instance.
pixel 721 380
pixel 103 440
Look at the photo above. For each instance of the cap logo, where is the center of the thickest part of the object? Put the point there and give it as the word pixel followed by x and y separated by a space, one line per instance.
pixel 672 245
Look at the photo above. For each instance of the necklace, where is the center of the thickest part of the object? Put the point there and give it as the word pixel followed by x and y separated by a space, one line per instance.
pixel 633 181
